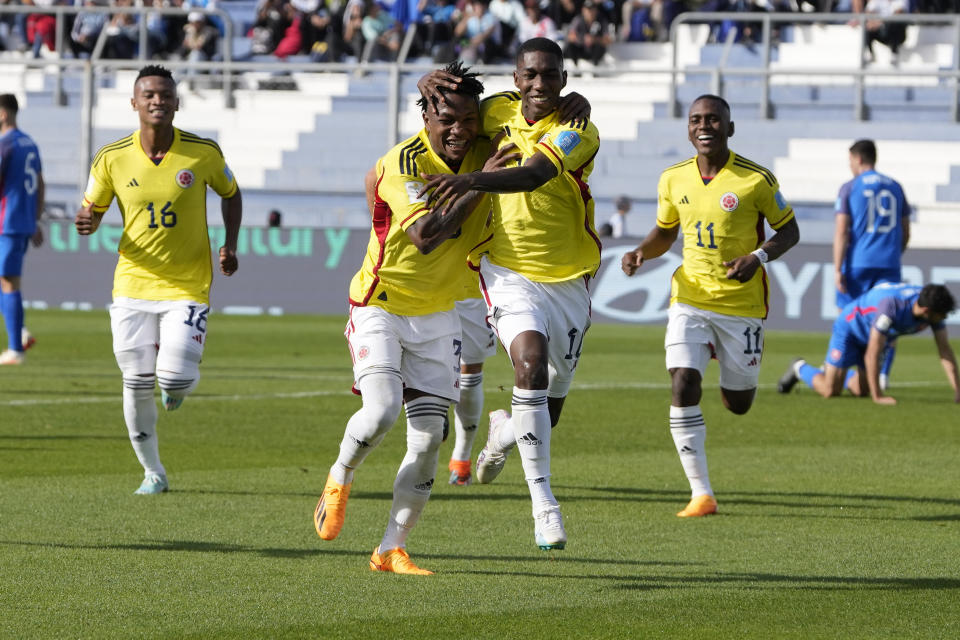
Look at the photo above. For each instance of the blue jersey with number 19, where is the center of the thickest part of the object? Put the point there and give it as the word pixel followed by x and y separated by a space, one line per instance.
pixel 877 206
pixel 19 183
pixel 165 246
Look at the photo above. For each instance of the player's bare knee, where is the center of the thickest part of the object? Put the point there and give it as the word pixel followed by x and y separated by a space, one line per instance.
pixel 531 373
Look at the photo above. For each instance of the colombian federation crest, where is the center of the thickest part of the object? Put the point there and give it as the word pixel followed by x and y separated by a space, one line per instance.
pixel 729 201
pixel 184 178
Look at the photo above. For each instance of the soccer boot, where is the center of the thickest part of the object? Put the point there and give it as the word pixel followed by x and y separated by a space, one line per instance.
pixel 548 530
pixel 169 402
pixel 330 511
pixel 460 472
pixel 153 483
pixel 789 378
pixel 9 356
pixel 491 460
pixel 699 506
pixel 27 339
pixel 396 561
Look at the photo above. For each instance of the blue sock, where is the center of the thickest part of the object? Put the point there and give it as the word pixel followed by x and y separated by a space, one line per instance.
pixel 807 372
pixel 850 373
pixel 888 356
pixel 12 306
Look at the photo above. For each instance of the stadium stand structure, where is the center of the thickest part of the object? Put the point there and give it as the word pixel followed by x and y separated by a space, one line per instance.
pixel 305 150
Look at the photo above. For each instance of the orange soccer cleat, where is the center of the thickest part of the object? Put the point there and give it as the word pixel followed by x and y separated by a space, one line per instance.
pixel 330 511
pixel 396 561
pixel 703 505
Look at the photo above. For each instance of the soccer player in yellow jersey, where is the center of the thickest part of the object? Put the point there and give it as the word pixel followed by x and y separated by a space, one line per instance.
pixel 403 331
pixel 161 288
pixel 718 302
pixel 535 268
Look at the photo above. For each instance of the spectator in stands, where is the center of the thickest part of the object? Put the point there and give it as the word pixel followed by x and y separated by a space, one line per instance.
pixel 618 222
pixel 891 34
pixel 563 12
pixel 157 30
pixel 291 42
pixel 173 25
pixel 589 35
pixel 269 26
pixel 510 13
pixel 479 33
pixel 86 29
pixel 745 32
pixel 317 31
pixel 379 27
pixel 352 28
pixel 200 39
pixel 648 20
pixel 274 218
pixel 437 20
pixel 537 24
pixel 122 33
pixel 41 28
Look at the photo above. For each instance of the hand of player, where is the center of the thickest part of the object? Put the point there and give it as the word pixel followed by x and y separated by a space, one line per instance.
pixel 499 156
pixel 840 282
pixel 574 108
pixel 742 269
pixel 631 261
pixel 86 221
pixel 430 84
pixel 885 400
pixel 445 189
pixel 228 261
pixel 37 238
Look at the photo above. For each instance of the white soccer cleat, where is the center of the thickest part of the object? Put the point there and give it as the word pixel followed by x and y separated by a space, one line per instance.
pixel 27 339
pixel 548 530
pixel 491 460
pixel 9 356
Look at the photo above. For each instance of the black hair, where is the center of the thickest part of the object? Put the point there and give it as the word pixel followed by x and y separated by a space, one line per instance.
pixel 154 70
pixel 715 98
pixel 937 299
pixel 543 45
pixel 469 85
pixel 8 102
pixel 866 150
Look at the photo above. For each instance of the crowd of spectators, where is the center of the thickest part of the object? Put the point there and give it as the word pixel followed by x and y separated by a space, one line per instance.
pixel 477 31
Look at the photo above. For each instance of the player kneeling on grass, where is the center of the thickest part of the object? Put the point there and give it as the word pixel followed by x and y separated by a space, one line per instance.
pixel 403 332
pixel 861 333
pixel 161 288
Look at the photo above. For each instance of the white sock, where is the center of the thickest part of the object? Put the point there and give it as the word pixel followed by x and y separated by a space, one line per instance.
pixel 382 395
pixel 689 435
pixel 411 489
pixel 531 424
pixel 466 414
pixel 506 437
pixel 140 415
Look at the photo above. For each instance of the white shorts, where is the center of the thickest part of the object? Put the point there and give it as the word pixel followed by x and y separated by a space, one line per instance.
pixel 558 310
pixel 174 330
pixel 423 350
pixel 479 340
pixel 695 335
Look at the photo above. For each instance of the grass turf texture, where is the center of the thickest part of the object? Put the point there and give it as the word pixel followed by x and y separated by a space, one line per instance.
pixel 838 519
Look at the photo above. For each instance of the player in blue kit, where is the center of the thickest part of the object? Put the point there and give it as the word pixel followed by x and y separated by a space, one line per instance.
pixel 872 232
pixel 861 333
pixel 21 203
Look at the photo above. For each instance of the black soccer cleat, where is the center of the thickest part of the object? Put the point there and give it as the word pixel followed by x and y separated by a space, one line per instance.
pixel 789 378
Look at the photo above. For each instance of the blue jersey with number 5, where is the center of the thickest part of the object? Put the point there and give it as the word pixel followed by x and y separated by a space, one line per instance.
pixel 19 183
pixel 876 206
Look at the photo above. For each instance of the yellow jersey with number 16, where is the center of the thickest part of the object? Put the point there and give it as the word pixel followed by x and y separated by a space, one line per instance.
pixel 720 221
pixel 165 247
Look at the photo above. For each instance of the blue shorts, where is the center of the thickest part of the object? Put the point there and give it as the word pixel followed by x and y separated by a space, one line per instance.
pixel 13 247
pixel 844 350
pixel 859 281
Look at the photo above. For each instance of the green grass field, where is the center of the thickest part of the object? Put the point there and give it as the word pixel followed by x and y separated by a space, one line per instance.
pixel 838 519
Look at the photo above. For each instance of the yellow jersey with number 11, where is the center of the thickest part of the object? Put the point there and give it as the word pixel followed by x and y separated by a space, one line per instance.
pixel 720 221
pixel 165 247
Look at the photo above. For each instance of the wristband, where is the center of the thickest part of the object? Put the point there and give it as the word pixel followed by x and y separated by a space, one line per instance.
pixel 761 255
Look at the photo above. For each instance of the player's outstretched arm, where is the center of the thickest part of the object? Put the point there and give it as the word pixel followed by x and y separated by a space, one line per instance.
pixel 743 268
pixel 872 362
pixel 37 239
pixel 655 244
pixel 948 360
pixel 841 240
pixel 232 210
pixel 87 220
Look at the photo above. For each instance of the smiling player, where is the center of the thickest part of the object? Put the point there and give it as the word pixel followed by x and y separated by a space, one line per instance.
pixel 718 297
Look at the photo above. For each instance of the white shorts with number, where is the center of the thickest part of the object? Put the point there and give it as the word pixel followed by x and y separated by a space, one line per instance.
pixel 151 335
pixel 695 335
pixel 558 310
pixel 423 350
pixel 479 340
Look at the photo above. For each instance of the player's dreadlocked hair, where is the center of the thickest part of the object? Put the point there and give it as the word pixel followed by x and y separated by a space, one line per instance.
pixel 937 298
pixel 469 84
pixel 154 70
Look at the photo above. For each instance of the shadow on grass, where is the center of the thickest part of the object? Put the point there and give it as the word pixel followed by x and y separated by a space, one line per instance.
pixel 66 436
pixel 365 495
pixel 767 580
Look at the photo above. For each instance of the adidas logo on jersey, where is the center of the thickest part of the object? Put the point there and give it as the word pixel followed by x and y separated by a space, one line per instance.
pixel 382 296
pixel 684 200
pixel 133 183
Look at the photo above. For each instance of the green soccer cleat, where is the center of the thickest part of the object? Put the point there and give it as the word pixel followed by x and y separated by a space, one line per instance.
pixel 169 402
pixel 548 530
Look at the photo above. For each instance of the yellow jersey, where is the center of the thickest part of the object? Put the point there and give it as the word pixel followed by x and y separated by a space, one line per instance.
pixel 720 221
pixel 546 235
pixel 395 275
pixel 165 248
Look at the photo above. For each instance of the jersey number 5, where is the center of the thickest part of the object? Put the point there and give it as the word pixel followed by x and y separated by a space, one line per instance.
pixel 168 218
